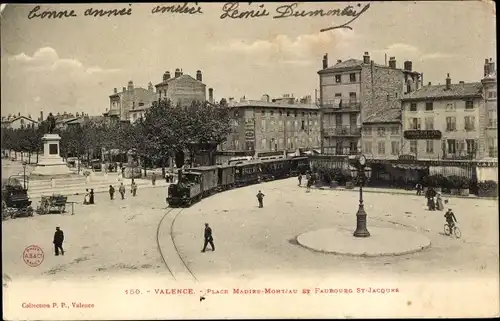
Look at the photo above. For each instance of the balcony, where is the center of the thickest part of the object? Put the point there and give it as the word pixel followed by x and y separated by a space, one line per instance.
pixel 342 131
pixel 341 151
pixel 345 107
pixel 460 155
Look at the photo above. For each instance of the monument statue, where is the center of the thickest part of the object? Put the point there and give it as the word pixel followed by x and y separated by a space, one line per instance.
pixel 51 123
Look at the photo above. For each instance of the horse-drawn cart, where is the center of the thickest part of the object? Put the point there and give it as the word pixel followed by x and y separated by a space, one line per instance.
pixel 15 200
pixel 53 203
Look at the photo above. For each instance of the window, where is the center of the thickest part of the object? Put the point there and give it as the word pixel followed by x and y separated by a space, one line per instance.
pixel 352 77
pixel 470 123
pixel 367 146
pixel 302 127
pixel 452 146
pixel 394 131
pixel 414 123
pixel 381 131
pixel 429 123
pixel 471 146
pixel 429 146
pixel 272 113
pixel 236 114
pixel 338 120
pixel 263 125
pixel 141 104
pixel 469 104
pixel 367 131
pixel 492 147
pixel 492 118
pixel 388 96
pixel 263 143
pixel 492 94
pixel 338 95
pixel 451 124
pixel 338 79
pixel 394 148
pixel 450 107
pixel 381 148
pixel 295 114
pixel 429 106
pixel 288 113
pixel 413 107
pixel 352 97
pixel 263 112
pixel 413 146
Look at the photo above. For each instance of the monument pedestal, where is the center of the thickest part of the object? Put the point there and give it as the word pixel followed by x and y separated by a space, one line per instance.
pixel 51 163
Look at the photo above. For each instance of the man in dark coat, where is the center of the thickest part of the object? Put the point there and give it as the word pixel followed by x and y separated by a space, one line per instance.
pixel 111 191
pixel 208 238
pixel 58 241
pixel 91 199
pixel 260 198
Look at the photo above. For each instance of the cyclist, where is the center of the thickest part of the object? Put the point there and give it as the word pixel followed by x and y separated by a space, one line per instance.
pixel 450 219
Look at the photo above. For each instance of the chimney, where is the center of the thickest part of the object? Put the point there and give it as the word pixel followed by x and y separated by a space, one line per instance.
pixel 392 62
pixel 492 67
pixel 325 61
pixel 408 65
pixel 166 76
pixel 19 114
pixel 150 87
pixel 339 61
pixel 115 91
pixel 77 114
pixel 366 58
pixel 486 67
pixel 199 76
pixel 130 86
pixel 430 84
pixel 41 115
pixel 448 82
pixel 124 89
pixel 177 72
pixel 210 95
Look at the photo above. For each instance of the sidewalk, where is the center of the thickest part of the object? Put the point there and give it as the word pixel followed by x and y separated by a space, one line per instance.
pixel 395 191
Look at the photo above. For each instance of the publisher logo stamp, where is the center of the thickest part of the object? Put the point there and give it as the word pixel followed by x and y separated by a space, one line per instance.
pixel 33 255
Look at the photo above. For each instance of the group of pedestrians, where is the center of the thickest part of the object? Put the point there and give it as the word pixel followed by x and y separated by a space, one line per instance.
pixel 122 191
pixel 310 180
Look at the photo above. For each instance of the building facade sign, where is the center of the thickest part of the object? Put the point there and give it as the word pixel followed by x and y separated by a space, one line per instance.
pixel 422 134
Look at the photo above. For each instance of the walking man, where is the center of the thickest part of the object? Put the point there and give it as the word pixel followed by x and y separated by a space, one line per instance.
pixel 58 241
pixel 153 178
pixel 111 192
pixel 208 238
pixel 260 198
pixel 133 187
pixel 300 179
pixel 122 191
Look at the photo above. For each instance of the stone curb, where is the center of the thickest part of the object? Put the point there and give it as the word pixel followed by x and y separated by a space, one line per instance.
pixel 367 255
pixel 401 193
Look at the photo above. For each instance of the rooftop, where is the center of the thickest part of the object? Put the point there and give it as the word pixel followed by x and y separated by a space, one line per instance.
pixel 386 115
pixel 350 64
pixel 265 104
pixel 440 92
pixel 176 78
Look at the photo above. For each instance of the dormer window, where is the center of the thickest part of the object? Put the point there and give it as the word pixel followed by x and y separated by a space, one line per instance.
pixel 338 79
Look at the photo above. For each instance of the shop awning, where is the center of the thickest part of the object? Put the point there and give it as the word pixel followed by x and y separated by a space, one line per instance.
pixel 409 166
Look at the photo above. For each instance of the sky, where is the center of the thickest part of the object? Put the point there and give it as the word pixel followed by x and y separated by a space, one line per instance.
pixel 73 64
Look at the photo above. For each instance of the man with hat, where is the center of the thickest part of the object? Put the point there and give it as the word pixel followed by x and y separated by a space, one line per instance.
pixel 208 238
pixel 58 241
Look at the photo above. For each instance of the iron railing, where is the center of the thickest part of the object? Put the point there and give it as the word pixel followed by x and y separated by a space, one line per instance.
pixel 342 131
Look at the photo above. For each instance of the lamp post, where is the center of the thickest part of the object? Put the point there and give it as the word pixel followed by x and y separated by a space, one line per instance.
pixel 359 171
pixel 24 175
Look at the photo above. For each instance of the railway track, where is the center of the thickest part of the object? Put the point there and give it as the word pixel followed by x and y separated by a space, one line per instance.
pixel 168 250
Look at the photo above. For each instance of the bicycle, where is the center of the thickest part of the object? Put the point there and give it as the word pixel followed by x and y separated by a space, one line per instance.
pixel 456 230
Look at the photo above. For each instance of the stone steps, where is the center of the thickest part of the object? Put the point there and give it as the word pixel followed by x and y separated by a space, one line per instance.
pixel 99 187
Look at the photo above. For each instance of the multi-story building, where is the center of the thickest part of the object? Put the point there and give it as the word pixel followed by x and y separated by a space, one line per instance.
pixel 452 109
pixel 182 89
pixel 282 125
pixel 19 122
pixel 130 98
pixel 352 91
pixel 489 117
pixel 381 132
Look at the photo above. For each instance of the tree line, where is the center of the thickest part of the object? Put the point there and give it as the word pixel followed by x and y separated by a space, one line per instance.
pixel 164 131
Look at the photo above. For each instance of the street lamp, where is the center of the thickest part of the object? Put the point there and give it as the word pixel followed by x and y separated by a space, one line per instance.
pixel 359 171
pixel 24 174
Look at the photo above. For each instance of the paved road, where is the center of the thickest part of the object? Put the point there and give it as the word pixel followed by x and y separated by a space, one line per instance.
pixel 252 241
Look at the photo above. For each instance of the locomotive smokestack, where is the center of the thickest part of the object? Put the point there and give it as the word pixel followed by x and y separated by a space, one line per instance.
pixel 179 175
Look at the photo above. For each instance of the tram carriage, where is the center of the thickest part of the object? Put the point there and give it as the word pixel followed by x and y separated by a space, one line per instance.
pixel 196 183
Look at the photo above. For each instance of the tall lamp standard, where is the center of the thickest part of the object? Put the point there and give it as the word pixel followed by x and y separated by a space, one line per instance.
pixel 359 170
pixel 24 175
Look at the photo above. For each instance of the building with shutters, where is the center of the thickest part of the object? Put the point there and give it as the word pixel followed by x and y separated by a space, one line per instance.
pixel 353 91
pixel 272 127
pixel 457 110
pixel 129 99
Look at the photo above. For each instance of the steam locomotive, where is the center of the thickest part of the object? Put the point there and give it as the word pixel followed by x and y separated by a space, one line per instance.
pixel 196 183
